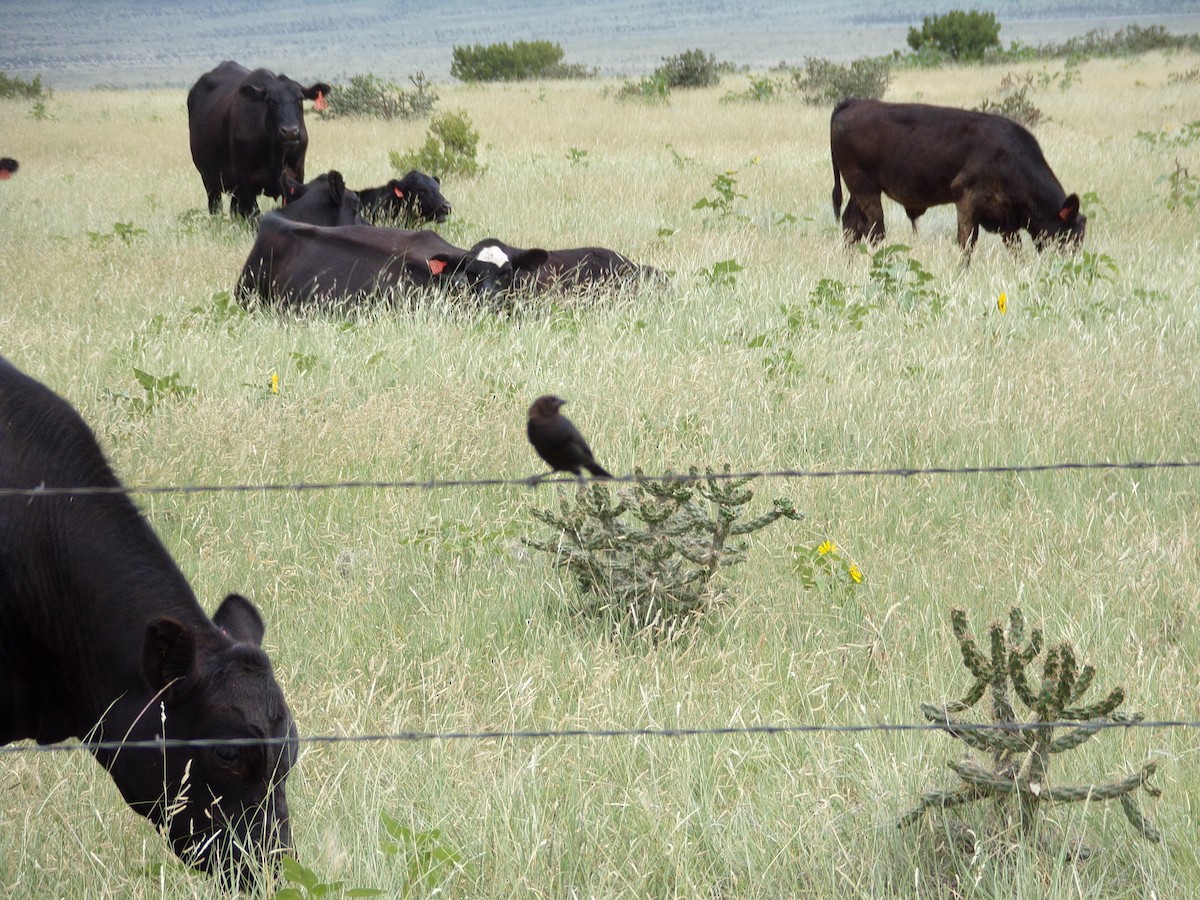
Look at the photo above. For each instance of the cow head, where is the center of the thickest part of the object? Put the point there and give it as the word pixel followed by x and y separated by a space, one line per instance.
pixel 222 805
pixel 1066 228
pixel 419 197
pixel 282 107
pixel 487 269
pixel 323 201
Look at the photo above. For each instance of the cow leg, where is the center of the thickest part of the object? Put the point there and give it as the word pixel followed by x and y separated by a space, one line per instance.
pixel 858 221
pixel 214 201
pixel 243 204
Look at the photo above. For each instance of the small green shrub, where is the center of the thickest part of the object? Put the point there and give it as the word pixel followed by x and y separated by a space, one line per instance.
pixel 822 82
pixel 11 86
pixel 369 96
pixel 449 148
pixel 651 89
pixel 1180 137
pixel 518 61
pixel 690 69
pixel 958 34
pixel 158 389
pixel 1014 102
pixel 762 89
pixel 430 861
pixel 644 561
pixel 1183 189
pixel 724 185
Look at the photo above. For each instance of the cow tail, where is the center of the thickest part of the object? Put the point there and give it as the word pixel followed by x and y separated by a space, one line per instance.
pixel 837 193
pixel 837 175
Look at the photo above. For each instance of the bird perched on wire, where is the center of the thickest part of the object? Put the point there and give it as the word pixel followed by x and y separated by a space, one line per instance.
pixel 559 442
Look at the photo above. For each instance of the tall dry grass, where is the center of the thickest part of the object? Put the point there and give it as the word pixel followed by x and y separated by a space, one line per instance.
pixel 421 610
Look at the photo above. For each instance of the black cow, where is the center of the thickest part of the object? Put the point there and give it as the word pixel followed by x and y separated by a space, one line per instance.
pixel 293 264
pixel 102 639
pixel 246 130
pixel 323 201
pixel 8 167
pixel 576 268
pixel 988 166
pixel 406 201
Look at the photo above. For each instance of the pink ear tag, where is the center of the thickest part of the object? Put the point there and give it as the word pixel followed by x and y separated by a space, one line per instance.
pixel 437 266
pixel 399 193
pixel 320 104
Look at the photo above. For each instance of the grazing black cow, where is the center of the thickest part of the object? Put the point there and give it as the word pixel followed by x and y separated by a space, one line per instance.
pixel 406 201
pixel 293 264
pixel 576 268
pixel 102 639
pixel 246 130
pixel 988 166
pixel 8 167
pixel 323 201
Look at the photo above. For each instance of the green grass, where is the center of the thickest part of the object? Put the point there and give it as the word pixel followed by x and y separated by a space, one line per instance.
pixel 422 611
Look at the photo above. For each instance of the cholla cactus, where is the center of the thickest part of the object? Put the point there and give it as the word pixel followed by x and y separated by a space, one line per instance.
pixel 652 569
pixel 1020 756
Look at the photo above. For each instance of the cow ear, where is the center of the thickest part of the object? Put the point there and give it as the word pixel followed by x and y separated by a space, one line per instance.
pixel 168 653
pixel 292 189
pixel 530 259
pixel 313 91
pixel 251 92
pixel 240 619
pixel 1070 209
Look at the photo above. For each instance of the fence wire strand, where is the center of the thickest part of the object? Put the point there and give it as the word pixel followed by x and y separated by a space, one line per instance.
pixel 535 481
pixel 565 733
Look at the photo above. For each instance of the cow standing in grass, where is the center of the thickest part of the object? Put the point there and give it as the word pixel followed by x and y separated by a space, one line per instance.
pixel 988 166
pixel 101 639
pixel 247 130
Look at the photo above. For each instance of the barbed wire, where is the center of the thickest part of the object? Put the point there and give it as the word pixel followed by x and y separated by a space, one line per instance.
pixel 560 734
pixel 535 481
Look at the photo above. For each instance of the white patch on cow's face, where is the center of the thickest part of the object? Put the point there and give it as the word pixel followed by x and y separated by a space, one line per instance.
pixel 493 256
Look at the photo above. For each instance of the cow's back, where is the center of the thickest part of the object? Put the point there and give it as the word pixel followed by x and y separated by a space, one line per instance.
pixel 210 103
pixel 55 551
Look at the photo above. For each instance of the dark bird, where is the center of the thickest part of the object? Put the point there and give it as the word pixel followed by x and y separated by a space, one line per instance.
pixel 557 441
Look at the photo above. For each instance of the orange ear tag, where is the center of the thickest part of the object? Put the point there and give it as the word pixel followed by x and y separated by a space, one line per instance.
pixel 320 104
pixel 437 266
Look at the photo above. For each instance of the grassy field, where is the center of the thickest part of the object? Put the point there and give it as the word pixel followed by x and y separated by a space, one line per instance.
pixel 421 610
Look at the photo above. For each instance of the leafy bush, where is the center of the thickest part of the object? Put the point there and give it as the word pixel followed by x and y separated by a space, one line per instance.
pixel 449 148
pixel 690 69
pixel 960 35
pixel 11 86
pixel 518 61
pixel 822 82
pixel 368 95
pixel 1014 105
pixel 762 89
pixel 651 573
pixel 651 89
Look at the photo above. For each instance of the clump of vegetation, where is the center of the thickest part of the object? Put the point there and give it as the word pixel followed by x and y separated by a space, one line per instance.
pixel 821 82
pixel 957 34
pixel 158 389
pixel 896 276
pixel 644 561
pixel 11 86
pixel 449 148
pixel 725 192
pixel 1128 41
pixel 1020 757
pixel 651 89
pixel 762 89
pixel 1014 103
pixel 518 61
pixel 1180 137
pixel 370 96
pixel 1183 189
pixel 690 69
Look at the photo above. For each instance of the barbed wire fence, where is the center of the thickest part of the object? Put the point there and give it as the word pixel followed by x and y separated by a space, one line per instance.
pixel 44 491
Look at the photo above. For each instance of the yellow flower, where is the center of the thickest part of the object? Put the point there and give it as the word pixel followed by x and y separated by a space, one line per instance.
pixel 827 547
pixel 274 382
pixel 1002 303
pixel 855 574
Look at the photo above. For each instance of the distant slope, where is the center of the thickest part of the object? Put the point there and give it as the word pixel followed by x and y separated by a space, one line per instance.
pixel 147 43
